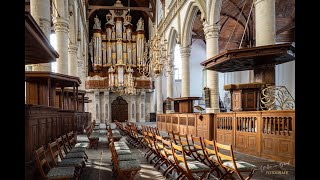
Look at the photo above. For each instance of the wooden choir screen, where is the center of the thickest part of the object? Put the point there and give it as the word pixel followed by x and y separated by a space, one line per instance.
pixel 267 134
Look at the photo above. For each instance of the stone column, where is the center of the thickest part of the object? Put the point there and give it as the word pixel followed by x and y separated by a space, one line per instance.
pixel 265 35
pixel 170 82
pixel 212 34
pixel 159 94
pixel 40 11
pixel 185 77
pixel 133 109
pixel 142 106
pixel 107 107
pixel 73 60
pixel 61 28
pixel 152 102
pixel 97 107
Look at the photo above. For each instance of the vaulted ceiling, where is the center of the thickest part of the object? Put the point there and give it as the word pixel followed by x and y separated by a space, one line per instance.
pixel 234 16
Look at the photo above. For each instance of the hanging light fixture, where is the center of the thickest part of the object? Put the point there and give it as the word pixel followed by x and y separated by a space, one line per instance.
pixel 156 61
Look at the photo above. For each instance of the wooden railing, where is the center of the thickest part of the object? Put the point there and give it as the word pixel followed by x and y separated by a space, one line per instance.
pixel 266 134
pixel 43 124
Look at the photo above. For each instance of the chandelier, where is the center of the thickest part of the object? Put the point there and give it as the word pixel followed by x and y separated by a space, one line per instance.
pixel 121 80
pixel 156 61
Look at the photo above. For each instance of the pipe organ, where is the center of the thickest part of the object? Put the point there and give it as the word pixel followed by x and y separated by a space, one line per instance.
pixel 116 52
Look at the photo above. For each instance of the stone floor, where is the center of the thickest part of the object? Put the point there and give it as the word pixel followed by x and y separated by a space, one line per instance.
pixel 99 164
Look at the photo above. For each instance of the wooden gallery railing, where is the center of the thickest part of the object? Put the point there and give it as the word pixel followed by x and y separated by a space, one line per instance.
pixel 187 123
pixel 266 134
pixel 43 124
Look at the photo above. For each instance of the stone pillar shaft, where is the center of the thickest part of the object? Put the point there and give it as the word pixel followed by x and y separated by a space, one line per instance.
pixel 170 81
pixel 40 11
pixel 73 60
pixel 265 14
pixel 61 28
pixel 185 77
pixel 212 35
pixel 159 94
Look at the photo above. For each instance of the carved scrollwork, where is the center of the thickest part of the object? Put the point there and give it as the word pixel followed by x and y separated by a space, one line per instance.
pixel 276 98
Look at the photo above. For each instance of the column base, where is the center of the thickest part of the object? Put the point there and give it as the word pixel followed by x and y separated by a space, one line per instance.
pixel 159 112
pixel 212 110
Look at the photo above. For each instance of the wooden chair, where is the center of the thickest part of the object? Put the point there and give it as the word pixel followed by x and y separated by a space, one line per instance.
pixel 169 160
pixel 188 168
pixel 55 153
pixel 174 136
pixel 61 173
pixel 159 147
pixel 62 142
pixel 198 150
pixel 125 169
pixel 230 165
pixel 211 157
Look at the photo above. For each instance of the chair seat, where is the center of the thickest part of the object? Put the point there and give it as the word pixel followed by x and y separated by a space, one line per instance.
pixel 75 155
pixel 214 157
pixel 123 147
pixel 126 157
pixel 120 152
pixel 133 165
pixel 72 162
pixel 79 149
pixel 195 166
pixel 61 172
pixel 81 145
pixel 241 165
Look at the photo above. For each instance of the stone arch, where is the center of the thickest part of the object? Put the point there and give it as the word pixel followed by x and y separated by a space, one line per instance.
pixel 214 9
pixel 173 33
pixel 188 23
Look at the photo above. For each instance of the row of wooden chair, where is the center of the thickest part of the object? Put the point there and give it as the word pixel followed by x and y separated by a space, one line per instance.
pixel 92 132
pixel 190 155
pixel 65 161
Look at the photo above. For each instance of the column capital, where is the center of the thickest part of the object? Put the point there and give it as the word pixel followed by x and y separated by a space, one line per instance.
pixel 185 51
pixel 73 48
pixel 211 31
pixel 61 24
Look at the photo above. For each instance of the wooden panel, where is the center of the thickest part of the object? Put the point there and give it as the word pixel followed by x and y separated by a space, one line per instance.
pixel 236 100
pixel 247 137
pixel 278 136
pixel 168 123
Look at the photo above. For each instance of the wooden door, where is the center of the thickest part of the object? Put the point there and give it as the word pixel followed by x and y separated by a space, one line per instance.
pixel 119 110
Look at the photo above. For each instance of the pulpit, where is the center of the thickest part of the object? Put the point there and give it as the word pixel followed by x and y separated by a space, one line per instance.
pixel 245 97
pixel 185 103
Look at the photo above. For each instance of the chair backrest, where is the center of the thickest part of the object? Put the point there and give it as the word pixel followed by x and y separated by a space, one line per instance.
pixel 209 147
pixel 41 160
pixel 174 136
pixel 179 155
pixel 66 144
pixel 158 143
pixel 71 137
pixel 54 152
pixel 226 155
pixel 62 148
pixel 167 148
pixel 197 142
pixel 183 139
